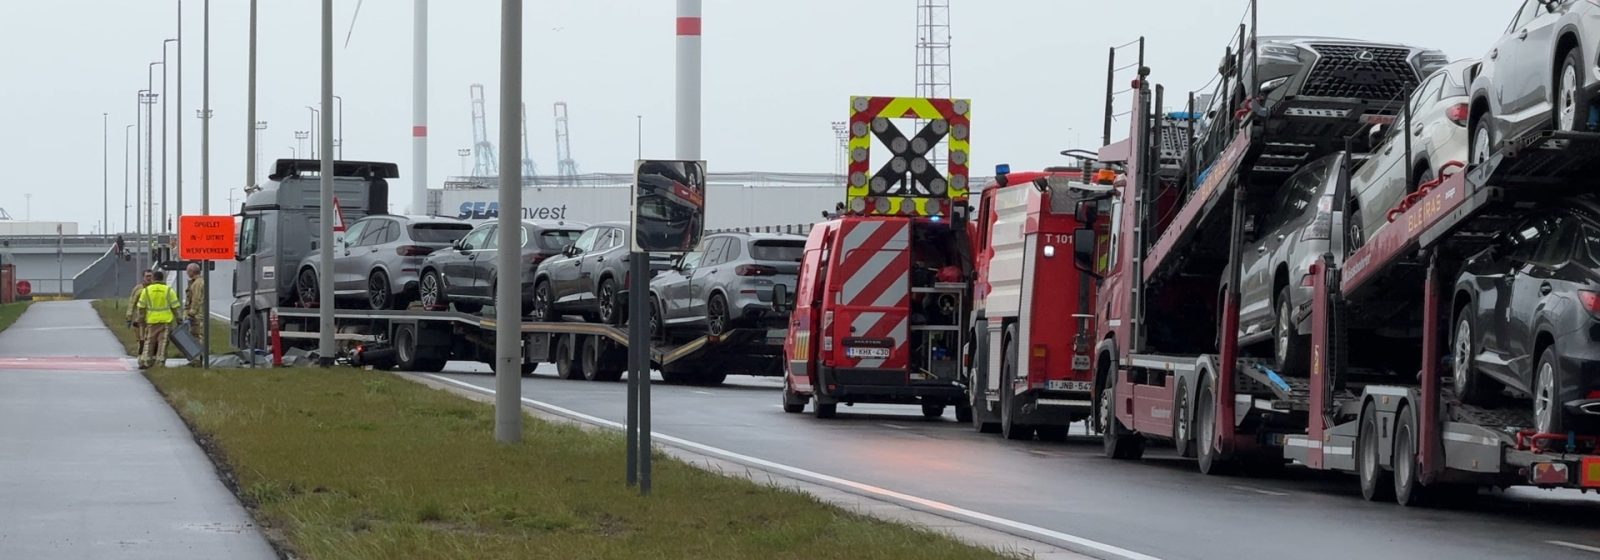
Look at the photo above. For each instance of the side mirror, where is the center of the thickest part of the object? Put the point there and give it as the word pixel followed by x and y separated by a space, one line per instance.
pixel 569 250
pixel 780 299
pixel 1083 245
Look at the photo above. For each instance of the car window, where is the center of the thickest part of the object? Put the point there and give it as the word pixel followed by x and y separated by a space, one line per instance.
pixel 248 235
pixel 1300 193
pixel 1589 242
pixel 778 250
pixel 373 234
pixel 1519 17
pixel 439 233
pixel 475 240
pixel 1428 93
pixel 492 241
pixel 734 250
pixel 352 235
pixel 691 260
pixel 585 242
pixel 1557 245
pixel 714 251
pixel 392 233
pixel 617 238
pixel 555 239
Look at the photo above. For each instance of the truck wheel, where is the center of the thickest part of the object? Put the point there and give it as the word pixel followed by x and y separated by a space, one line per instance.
pixel 565 354
pixel 1407 490
pixel 1377 483
pixel 964 414
pixel 1289 348
pixel 1208 457
pixel 1119 442
pixel 529 367
pixel 410 355
pixel 824 410
pixel 1009 428
pixel 793 403
pixel 1182 421
pixel 1052 433
pixel 932 411
pixel 591 358
pixel 710 379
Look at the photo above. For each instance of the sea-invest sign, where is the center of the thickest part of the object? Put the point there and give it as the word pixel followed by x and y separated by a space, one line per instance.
pixel 205 238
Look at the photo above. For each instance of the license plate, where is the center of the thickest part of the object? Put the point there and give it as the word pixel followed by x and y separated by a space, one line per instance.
pixel 1060 385
pixel 855 352
pixel 1080 362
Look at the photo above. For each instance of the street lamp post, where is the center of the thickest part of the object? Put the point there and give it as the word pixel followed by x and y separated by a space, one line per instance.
pixel 300 136
pixel 316 117
pixel 125 129
pixel 105 173
pixel 149 159
pixel 464 152
pixel 293 153
pixel 166 219
pixel 254 153
pixel 338 141
pixel 139 147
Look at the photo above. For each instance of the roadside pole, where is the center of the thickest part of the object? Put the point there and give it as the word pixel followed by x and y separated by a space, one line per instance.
pixel 325 342
pixel 508 281
pixel 638 370
pixel 205 155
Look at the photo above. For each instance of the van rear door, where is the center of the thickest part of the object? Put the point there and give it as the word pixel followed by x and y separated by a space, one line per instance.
pixel 872 281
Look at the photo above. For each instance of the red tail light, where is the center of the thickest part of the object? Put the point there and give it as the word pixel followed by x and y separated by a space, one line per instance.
pixel 755 270
pixel 413 251
pixel 537 258
pixel 1590 301
pixel 1458 113
pixel 1595 394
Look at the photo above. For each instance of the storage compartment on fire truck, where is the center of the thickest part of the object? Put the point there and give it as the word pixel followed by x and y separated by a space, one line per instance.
pixel 938 305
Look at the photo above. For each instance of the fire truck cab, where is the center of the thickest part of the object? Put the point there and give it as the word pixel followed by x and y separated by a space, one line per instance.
pixel 1035 235
pixel 878 316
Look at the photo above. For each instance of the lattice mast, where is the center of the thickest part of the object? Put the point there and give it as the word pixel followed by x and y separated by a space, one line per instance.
pixel 485 164
pixel 528 169
pixel 933 57
pixel 566 167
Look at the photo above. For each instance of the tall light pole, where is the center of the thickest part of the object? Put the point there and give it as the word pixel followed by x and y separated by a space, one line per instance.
pixel 419 106
pixel 105 173
pixel 325 342
pixel 300 136
pixel 688 82
pixel 316 128
pixel 125 129
pixel 166 219
pixel 179 117
pixel 293 153
pixel 840 133
pixel 338 140
pixel 508 293
pixel 205 158
pixel 639 137
pixel 138 186
pixel 255 154
pixel 149 166
pixel 464 152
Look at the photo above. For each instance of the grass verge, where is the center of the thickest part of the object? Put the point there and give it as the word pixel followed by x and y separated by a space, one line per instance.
pixel 10 312
pixel 358 464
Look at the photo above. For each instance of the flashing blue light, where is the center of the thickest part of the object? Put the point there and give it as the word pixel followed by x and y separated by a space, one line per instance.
pixel 937 219
pixel 1002 169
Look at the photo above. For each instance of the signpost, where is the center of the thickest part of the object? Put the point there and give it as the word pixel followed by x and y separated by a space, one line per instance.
pixel 669 214
pixel 206 238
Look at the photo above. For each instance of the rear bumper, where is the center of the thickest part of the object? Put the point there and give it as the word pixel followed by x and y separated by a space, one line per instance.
pixel 883 386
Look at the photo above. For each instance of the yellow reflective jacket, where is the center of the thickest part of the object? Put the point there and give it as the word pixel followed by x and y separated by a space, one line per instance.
pixel 158 303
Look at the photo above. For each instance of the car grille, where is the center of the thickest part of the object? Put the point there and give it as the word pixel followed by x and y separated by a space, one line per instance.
pixel 1341 71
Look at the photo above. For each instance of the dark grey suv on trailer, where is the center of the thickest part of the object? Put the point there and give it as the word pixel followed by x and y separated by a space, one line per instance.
pixel 464 274
pixel 588 278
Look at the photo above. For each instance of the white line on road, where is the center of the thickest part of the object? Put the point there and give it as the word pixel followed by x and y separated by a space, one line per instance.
pixel 1258 490
pixel 1576 546
pixel 946 509
pixel 894 426
pixel 700 392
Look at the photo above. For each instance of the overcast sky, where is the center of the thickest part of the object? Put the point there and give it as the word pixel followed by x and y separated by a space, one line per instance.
pixel 776 74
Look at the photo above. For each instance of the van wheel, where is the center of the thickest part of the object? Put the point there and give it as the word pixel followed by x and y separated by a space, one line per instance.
pixel 793 403
pixel 824 410
pixel 307 288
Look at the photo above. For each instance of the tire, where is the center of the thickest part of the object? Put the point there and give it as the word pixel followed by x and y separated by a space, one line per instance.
pixel 380 294
pixel 1207 457
pixel 248 339
pixel 1119 442
pixel 409 355
pixel 710 379
pixel 589 358
pixel 611 310
pixel 824 410
pixel 1569 109
pixel 1052 433
pixel 932 411
pixel 963 413
pixel 1407 490
pixel 430 292
pixel 566 366
pixel 1481 143
pixel 1549 416
pixel 307 289
pixel 542 310
pixel 1422 178
pixel 1289 348
pixel 1469 385
pixel 1357 237
pixel 528 368
pixel 718 321
pixel 1377 482
pixel 1009 427
pixel 793 403
pixel 1182 421
pixel 658 328
pixel 979 403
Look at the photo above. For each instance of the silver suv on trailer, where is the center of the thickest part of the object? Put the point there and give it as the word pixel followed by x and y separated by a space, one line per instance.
pixel 727 283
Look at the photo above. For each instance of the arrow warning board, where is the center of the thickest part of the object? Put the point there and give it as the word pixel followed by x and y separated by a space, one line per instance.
pixel 205 238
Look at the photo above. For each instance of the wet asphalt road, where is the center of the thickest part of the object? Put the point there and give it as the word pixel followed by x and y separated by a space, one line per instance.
pixel 1159 507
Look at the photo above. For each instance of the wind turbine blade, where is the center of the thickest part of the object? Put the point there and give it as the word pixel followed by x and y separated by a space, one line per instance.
pixel 353 17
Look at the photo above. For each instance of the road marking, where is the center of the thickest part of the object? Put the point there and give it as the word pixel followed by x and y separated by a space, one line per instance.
pixel 946 509
pixel 888 425
pixel 702 392
pixel 1576 546
pixel 1259 490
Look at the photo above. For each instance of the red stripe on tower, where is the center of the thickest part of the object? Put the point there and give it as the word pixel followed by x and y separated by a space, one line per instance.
pixel 689 25
pixel 419 131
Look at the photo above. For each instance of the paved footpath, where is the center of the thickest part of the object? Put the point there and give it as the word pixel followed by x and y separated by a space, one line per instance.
pixel 93 463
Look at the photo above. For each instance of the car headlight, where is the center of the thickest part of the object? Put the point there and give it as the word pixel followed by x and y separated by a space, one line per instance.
pixel 1273 84
pixel 1283 52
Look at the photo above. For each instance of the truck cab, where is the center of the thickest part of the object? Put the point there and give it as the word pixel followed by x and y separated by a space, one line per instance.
pixel 279 225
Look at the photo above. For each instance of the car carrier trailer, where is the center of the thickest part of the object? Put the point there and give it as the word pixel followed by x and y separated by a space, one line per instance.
pixel 419 340
pixel 1362 408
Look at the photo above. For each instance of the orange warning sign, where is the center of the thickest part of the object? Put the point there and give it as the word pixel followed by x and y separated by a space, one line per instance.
pixel 205 238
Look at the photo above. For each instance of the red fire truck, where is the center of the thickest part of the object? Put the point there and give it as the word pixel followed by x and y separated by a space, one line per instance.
pixel 1033 301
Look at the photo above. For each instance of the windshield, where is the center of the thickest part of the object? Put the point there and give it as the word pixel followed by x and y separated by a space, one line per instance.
pixel 778 250
pixel 557 239
pixel 439 233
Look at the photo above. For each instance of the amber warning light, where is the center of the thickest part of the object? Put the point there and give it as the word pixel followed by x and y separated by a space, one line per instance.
pixel 205 238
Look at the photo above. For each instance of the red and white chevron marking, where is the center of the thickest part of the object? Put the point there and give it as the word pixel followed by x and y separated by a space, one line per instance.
pixel 877 287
